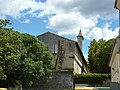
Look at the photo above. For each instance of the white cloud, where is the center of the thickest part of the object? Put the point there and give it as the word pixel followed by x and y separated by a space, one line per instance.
pixel 65 16
pixel 15 8
pixel 26 21
pixel 64 22
pixel 71 15
pixel 2 17
pixel 102 32
pixel 103 8
pixel 70 23
pixel 108 33
pixel 95 33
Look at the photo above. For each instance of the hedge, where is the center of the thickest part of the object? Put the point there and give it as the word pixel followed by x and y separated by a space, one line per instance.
pixel 90 78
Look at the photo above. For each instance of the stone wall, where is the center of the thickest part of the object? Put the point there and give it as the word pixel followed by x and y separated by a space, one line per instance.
pixel 62 80
pixel 114 86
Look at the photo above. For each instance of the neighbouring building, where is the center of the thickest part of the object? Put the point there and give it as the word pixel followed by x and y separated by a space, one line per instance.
pixel 68 58
pixel 114 64
pixel 115 61
pixel 115 58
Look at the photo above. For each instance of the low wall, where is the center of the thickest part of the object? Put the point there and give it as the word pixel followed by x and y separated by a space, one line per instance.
pixel 62 80
pixel 114 86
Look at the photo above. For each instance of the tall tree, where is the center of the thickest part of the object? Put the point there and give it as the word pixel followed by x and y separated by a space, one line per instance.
pixel 99 54
pixel 23 58
pixel 92 54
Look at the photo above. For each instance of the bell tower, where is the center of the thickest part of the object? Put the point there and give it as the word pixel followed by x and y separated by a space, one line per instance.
pixel 80 39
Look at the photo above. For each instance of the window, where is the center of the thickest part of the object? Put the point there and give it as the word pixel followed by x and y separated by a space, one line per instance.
pixel 55 48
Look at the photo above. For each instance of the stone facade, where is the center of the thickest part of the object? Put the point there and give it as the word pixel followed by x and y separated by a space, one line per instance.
pixel 66 49
pixel 115 66
pixel 115 62
pixel 54 43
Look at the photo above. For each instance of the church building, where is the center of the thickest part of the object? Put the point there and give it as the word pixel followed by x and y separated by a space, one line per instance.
pixel 68 56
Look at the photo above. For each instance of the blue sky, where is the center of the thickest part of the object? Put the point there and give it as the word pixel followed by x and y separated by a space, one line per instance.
pixel 96 18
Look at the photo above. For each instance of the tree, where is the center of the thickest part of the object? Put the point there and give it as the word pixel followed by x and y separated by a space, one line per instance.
pixel 99 54
pixel 23 58
pixel 92 54
pixel 2 76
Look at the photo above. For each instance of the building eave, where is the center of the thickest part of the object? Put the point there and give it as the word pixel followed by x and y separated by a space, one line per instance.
pixel 81 53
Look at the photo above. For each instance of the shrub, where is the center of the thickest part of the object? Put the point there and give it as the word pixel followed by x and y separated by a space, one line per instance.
pixel 90 78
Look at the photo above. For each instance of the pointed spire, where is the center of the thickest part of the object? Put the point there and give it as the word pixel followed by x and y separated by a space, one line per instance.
pixel 80 39
pixel 80 33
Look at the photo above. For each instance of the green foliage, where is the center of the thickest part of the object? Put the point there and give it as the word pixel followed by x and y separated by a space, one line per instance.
pixel 99 54
pixel 2 76
pixel 90 78
pixel 23 58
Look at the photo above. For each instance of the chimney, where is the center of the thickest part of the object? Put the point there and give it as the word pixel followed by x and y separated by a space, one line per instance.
pixel 80 39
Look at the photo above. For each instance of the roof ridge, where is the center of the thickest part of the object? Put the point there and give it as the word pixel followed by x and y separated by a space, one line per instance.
pixel 56 35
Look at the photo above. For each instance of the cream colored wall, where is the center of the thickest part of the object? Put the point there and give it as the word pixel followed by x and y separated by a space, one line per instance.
pixel 115 63
pixel 79 56
pixel 77 68
pixel 115 69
